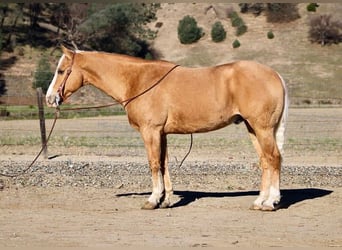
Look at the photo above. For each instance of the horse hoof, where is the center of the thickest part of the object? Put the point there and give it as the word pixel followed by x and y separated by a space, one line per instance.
pixel 262 208
pixel 149 206
pixel 268 208
pixel 165 204
pixel 255 207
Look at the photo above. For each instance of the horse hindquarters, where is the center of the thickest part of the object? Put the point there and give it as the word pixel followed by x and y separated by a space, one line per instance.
pixel 261 100
pixel 268 142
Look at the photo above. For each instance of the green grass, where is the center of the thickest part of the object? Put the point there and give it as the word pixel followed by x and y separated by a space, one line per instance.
pixel 13 112
pixel 316 144
pixel 18 141
pixel 70 141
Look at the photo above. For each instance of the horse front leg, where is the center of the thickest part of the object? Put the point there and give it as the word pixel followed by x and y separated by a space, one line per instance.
pixel 152 140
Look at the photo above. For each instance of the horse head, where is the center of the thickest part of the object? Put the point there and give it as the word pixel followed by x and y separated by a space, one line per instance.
pixel 67 79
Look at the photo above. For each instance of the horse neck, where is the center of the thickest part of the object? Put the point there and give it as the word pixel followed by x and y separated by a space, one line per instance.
pixel 103 71
pixel 119 76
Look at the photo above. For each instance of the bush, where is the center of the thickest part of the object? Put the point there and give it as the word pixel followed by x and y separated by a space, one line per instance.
pixel 242 29
pixel 270 35
pixel 254 8
pixel 238 23
pixel 324 30
pixel 188 31
pixel 311 7
pixel 43 74
pixel 218 33
pixel 281 12
pixel 236 44
pixel 235 19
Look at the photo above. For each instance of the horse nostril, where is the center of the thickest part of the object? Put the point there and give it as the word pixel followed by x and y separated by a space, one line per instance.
pixel 51 100
pixel 48 102
pixel 58 100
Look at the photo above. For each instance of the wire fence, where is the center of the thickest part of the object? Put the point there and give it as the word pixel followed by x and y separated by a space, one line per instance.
pixel 314 133
pixel 311 130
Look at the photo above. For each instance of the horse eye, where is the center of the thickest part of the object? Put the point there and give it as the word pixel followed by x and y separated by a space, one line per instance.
pixel 60 72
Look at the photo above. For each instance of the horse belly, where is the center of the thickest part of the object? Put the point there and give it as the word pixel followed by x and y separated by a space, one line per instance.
pixel 196 121
pixel 201 105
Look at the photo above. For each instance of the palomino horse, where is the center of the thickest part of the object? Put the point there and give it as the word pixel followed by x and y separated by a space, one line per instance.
pixel 162 98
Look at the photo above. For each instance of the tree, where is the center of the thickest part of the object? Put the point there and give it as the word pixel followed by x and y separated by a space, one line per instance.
pixel 68 17
pixel 9 16
pixel 43 74
pixel 188 31
pixel 35 10
pixel 120 28
pixel 3 13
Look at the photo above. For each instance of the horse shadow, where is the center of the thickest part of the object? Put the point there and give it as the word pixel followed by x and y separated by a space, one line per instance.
pixel 289 196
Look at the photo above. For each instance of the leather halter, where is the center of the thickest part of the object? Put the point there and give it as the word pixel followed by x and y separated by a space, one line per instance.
pixel 61 88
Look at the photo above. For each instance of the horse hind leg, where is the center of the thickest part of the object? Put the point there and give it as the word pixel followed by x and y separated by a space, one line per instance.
pixel 270 159
pixel 254 140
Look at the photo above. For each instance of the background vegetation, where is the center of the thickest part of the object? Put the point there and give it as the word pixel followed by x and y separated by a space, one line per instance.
pixel 30 35
pixel 188 30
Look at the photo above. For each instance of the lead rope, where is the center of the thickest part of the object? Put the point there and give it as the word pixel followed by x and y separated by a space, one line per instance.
pixel 124 103
pixel 40 152
pixel 48 138
pixel 186 155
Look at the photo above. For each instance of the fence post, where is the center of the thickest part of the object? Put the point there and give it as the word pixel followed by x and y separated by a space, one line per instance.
pixel 42 120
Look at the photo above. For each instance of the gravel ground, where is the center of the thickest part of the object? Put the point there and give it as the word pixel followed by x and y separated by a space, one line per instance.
pixel 116 174
pixel 89 195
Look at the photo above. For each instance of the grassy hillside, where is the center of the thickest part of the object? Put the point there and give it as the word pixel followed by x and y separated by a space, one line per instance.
pixel 313 73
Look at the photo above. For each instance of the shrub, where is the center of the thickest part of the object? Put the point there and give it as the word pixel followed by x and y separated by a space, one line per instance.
pixel 242 29
pixel 238 23
pixel 188 31
pixel 255 8
pixel 43 74
pixel 270 35
pixel 236 44
pixel 324 30
pixel 218 33
pixel 159 24
pixel 235 19
pixel 311 7
pixel 281 12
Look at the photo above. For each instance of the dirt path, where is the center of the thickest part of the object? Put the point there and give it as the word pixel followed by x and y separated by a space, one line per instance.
pixel 73 217
pixel 85 198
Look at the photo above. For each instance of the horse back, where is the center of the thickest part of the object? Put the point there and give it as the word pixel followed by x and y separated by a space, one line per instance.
pixel 193 100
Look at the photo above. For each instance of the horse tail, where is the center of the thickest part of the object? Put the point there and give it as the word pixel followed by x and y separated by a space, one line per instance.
pixel 280 131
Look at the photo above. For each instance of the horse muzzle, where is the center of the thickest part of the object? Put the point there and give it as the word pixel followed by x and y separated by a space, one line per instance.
pixel 53 101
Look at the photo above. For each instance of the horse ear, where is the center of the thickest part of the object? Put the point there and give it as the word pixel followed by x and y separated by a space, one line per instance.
pixel 67 52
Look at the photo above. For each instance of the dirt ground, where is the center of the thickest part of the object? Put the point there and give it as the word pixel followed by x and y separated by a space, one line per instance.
pixel 91 196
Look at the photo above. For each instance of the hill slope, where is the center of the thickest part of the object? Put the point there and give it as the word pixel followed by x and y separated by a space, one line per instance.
pixel 313 73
